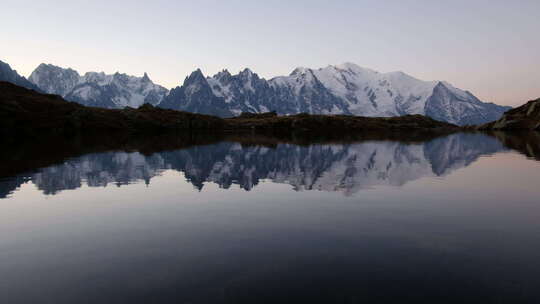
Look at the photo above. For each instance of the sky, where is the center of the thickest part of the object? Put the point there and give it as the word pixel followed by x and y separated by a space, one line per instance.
pixel 491 48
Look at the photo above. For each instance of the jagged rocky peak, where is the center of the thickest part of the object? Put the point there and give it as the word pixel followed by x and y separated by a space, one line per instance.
pixel 51 68
pixel 456 106
pixel 97 88
pixel 195 81
pixel 298 78
pixel 246 72
pixel 54 79
pixel 299 71
pixel 223 74
pixel 196 76
pixel 224 77
pixel 10 75
pixel 223 94
pixel 122 77
pixel 145 78
pixel 97 77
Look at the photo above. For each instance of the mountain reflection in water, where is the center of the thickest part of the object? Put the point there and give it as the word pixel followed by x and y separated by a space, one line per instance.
pixel 346 167
pixel 428 230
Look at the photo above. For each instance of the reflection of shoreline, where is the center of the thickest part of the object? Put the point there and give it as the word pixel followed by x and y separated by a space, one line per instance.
pixel 347 166
pixel 527 143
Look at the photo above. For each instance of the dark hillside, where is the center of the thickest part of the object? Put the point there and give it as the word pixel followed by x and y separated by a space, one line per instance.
pixel 25 112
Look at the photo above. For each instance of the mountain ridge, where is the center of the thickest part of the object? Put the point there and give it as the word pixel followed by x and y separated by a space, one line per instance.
pixel 10 75
pixel 335 89
pixel 116 90
pixel 341 89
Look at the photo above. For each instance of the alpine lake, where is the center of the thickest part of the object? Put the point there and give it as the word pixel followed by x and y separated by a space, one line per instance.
pixel 253 219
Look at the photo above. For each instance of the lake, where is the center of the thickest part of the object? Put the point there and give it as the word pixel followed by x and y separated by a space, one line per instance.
pixel 442 219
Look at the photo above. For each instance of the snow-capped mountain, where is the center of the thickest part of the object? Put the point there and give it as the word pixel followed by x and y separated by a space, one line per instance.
pixel 98 89
pixel 196 96
pixel 341 89
pixel 10 75
pixel 54 80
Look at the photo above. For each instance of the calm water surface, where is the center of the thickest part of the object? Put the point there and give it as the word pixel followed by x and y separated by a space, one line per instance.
pixel 454 219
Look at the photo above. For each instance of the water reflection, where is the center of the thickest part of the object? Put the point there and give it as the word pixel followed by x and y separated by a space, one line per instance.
pixel 346 167
pixel 468 237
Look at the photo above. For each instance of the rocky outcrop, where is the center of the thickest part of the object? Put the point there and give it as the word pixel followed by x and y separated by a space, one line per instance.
pixel 526 117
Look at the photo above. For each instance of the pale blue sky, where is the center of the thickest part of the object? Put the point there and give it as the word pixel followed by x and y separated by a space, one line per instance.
pixel 491 48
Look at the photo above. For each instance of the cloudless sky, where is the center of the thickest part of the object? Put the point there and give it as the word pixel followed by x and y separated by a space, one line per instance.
pixel 491 48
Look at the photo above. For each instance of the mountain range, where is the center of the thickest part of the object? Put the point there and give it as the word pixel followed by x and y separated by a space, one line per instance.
pixel 98 89
pixel 340 89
